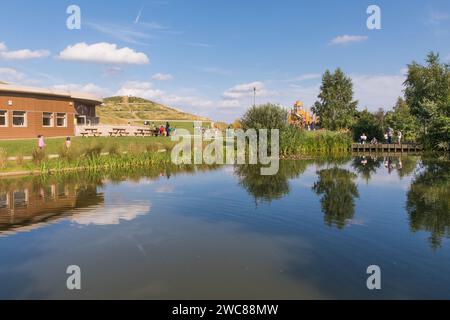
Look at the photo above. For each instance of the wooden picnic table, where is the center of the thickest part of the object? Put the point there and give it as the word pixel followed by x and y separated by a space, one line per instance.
pixel 143 132
pixel 118 132
pixel 91 132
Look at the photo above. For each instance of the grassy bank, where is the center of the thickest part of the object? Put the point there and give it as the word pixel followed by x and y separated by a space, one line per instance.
pixel 26 147
pixel 83 153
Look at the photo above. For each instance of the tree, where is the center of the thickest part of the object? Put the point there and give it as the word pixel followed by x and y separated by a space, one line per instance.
pixel 335 107
pixel 338 190
pixel 428 201
pixel 428 96
pixel 267 116
pixel 367 123
pixel 400 118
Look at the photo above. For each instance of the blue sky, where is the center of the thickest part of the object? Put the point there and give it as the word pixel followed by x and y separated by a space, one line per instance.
pixel 205 56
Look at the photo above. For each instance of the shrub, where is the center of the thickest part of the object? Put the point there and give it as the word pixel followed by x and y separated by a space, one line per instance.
pixel 267 116
pixel 69 154
pixel 93 150
pixel 154 147
pixel 19 159
pixel 38 155
pixel 113 150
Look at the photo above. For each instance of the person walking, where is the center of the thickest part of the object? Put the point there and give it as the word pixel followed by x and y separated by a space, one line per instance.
pixel 399 137
pixel 41 142
pixel 168 129
pixel 390 135
pixel 68 143
pixel 363 138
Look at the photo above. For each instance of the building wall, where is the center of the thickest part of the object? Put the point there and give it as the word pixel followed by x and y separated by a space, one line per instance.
pixel 35 105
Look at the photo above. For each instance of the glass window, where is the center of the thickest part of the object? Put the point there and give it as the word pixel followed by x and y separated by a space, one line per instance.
pixel 19 119
pixel 47 119
pixel 4 201
pixel 61 120
pixel 20 199
pixel 3 118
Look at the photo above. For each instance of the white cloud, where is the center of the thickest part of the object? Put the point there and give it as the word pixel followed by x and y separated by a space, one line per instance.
pixel 162 76
pixel 148 91
pixel 22 54
pixel 339 40
pixel 111 214
pixel 246 90
pixel 371 91
pixel 377 91
pixel 86 88
pixel 106 53
pixel 230 104
pixel 9 74
pixel 140 89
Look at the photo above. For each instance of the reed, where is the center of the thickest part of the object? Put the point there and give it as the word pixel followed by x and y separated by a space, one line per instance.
pixel 295 142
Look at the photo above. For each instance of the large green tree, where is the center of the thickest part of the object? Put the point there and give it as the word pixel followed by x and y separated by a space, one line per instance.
pixel 400 118
pixel 338 190
pixel 367 123
pixel 428 95
pixel 335 107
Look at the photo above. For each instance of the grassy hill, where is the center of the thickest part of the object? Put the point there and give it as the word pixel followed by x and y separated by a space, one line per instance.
pixel 121 110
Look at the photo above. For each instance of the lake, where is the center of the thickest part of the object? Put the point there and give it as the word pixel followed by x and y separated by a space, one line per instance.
pixel 310 232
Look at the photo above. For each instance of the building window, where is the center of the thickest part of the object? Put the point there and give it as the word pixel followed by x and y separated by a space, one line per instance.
pixel 61 120
pixel 20 199
pixel 19 118
pixel 47 119
pixel 3 118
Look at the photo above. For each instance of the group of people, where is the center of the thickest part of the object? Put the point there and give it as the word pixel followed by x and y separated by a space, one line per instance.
pixel 164 131
pixel 41 142
pixel 388 137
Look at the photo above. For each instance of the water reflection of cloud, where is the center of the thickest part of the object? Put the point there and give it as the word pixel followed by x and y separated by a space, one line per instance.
pixel 111 214
pixel 166 188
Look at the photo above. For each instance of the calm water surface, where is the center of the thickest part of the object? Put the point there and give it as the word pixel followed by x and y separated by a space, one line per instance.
pixel 226 232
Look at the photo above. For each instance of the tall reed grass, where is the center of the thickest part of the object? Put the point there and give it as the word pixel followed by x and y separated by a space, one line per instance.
pixel 295 142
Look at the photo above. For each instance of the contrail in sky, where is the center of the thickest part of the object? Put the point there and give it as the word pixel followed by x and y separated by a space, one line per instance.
pixel 136 21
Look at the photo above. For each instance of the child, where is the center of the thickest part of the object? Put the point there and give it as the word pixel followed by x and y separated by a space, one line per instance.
pixel 68 143
pixel 41 142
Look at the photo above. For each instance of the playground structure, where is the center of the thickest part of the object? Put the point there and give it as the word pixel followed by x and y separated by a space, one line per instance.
pixel 300 117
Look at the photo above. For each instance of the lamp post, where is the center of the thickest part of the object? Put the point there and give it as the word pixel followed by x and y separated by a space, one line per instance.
pixel 254 96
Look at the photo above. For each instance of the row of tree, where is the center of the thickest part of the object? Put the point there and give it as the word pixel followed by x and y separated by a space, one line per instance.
pixel 422 115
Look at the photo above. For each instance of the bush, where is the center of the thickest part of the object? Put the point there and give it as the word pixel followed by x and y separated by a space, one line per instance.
pixel 267 116
pixel 113 150
pixel 93 150
pixel 19 159
pixel 38 155
pixel 69 154
pixel 153 148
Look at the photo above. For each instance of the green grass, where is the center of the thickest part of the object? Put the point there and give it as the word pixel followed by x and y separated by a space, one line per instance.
pixel 54 145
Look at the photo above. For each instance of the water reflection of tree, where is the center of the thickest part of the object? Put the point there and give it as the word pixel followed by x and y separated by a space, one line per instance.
pixel 268 188
pixel 428 201
pixel 365 166
pixel 338 190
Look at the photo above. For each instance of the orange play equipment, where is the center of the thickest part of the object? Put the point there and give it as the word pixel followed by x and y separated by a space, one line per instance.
pixel 299 116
